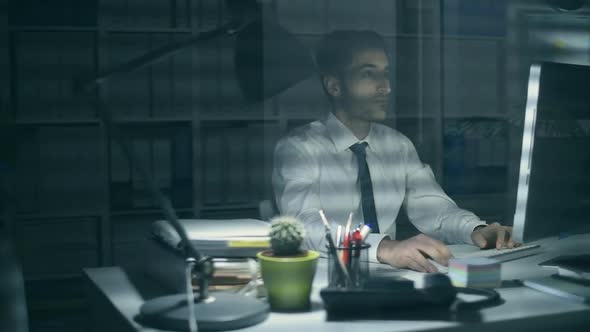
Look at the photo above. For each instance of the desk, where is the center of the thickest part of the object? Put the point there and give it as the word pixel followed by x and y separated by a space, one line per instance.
pixel 116 296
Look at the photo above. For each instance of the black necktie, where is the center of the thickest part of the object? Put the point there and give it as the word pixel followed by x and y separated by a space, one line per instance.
pixel 367 200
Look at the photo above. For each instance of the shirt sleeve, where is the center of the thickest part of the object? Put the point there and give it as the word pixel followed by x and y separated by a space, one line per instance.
pixel 430 209
pixel 295 182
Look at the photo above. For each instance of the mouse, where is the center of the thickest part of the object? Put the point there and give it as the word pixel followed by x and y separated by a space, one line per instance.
pixel 437 280
pixel 439 289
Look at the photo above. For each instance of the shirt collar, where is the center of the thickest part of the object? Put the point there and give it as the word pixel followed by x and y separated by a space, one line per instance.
pixel 342 137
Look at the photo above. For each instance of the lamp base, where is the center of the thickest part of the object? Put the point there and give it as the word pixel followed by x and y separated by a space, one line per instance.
pixel 222 311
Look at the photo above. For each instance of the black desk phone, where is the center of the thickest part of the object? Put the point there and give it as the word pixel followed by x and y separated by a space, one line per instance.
pixel 383 296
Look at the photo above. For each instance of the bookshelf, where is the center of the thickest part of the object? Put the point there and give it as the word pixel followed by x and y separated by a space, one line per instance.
pixel 183 116
pixel 476 127
pixel 77 199
pixel 449 91
pixel 6 150
pixel 74 240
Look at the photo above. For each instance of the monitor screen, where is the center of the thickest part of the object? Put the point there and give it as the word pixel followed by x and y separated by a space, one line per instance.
pixel 554 184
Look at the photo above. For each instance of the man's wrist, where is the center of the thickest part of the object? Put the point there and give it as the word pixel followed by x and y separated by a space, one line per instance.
pixel 475 229
pixel 478 227
pixel 385 246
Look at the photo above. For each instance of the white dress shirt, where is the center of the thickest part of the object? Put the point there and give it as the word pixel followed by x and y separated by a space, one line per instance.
pixel 315 169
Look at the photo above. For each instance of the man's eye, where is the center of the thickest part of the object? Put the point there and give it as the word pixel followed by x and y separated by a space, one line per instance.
pixel 366 74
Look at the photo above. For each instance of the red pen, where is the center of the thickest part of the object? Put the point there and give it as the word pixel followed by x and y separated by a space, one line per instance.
pixel 358 242
pixel 346 249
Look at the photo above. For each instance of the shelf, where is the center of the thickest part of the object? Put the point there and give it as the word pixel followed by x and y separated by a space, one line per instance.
pixel 411 117
pixel 147 30
pixel 238 117
pixel 320 34
pixel 229 207
pixel 57 277
pixel 310 117
pixel 57 28
pixel 50 28
pixel 55 291
pixel 474 37
pixel 34 217
pixel 138 212
pixel 66 246
pixel 88 122
pixel 492 116
pixel 153 121
pixel 415 35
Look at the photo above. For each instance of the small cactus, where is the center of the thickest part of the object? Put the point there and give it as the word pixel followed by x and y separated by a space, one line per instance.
pixel 286 235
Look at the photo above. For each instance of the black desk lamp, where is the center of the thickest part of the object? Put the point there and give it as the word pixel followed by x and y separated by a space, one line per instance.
pixel 255 63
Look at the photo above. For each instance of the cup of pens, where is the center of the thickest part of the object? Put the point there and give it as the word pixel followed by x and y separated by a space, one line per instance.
pixel 348 254
pixel 355 259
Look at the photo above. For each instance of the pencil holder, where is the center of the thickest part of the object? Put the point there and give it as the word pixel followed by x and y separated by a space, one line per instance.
pixel 356 261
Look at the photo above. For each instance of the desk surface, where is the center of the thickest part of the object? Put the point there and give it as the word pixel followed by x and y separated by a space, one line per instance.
pixel 117 295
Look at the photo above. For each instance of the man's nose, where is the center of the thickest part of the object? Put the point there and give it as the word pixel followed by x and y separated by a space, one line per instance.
pixel 385 86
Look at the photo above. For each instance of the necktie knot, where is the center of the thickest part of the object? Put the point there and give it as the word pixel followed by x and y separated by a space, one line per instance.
pixel 359 149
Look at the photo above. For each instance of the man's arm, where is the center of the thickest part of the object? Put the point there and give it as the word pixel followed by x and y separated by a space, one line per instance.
pixel 295 179
pixel 434 214
pixel 430 209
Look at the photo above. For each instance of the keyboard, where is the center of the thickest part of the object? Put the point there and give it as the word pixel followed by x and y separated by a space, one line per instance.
pixel 502 255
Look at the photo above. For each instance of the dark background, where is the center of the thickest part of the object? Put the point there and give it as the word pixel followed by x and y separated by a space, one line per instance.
pixel 72 200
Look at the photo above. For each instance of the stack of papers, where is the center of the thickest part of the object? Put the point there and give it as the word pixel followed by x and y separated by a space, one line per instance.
pixel 476 272
pixel 217 238
pixel 167 268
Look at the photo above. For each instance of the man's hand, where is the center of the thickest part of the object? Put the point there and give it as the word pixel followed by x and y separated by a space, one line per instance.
pixel 412 253
pixel 493 236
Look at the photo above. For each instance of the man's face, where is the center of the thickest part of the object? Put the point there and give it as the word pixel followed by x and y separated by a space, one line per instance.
pixel 365 86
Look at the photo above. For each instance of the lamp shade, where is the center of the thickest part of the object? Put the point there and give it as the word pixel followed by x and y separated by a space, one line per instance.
pixel 566 5
pixel 268 60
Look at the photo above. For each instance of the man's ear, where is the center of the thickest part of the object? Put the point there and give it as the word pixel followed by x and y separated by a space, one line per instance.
pixel 332 86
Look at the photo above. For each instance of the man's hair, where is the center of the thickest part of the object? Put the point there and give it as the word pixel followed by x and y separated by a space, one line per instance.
pixel 336 49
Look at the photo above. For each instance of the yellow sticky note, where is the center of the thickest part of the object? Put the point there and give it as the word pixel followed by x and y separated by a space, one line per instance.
pixel 559 43
pixel 249 244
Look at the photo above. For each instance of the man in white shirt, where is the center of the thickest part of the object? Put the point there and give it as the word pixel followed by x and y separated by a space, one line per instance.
pixel 348 162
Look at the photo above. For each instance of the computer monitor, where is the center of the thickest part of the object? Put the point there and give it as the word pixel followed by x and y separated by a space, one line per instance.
pixel 554 181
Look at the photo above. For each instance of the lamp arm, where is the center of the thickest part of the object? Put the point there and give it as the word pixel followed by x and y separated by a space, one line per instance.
pixel 157 55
